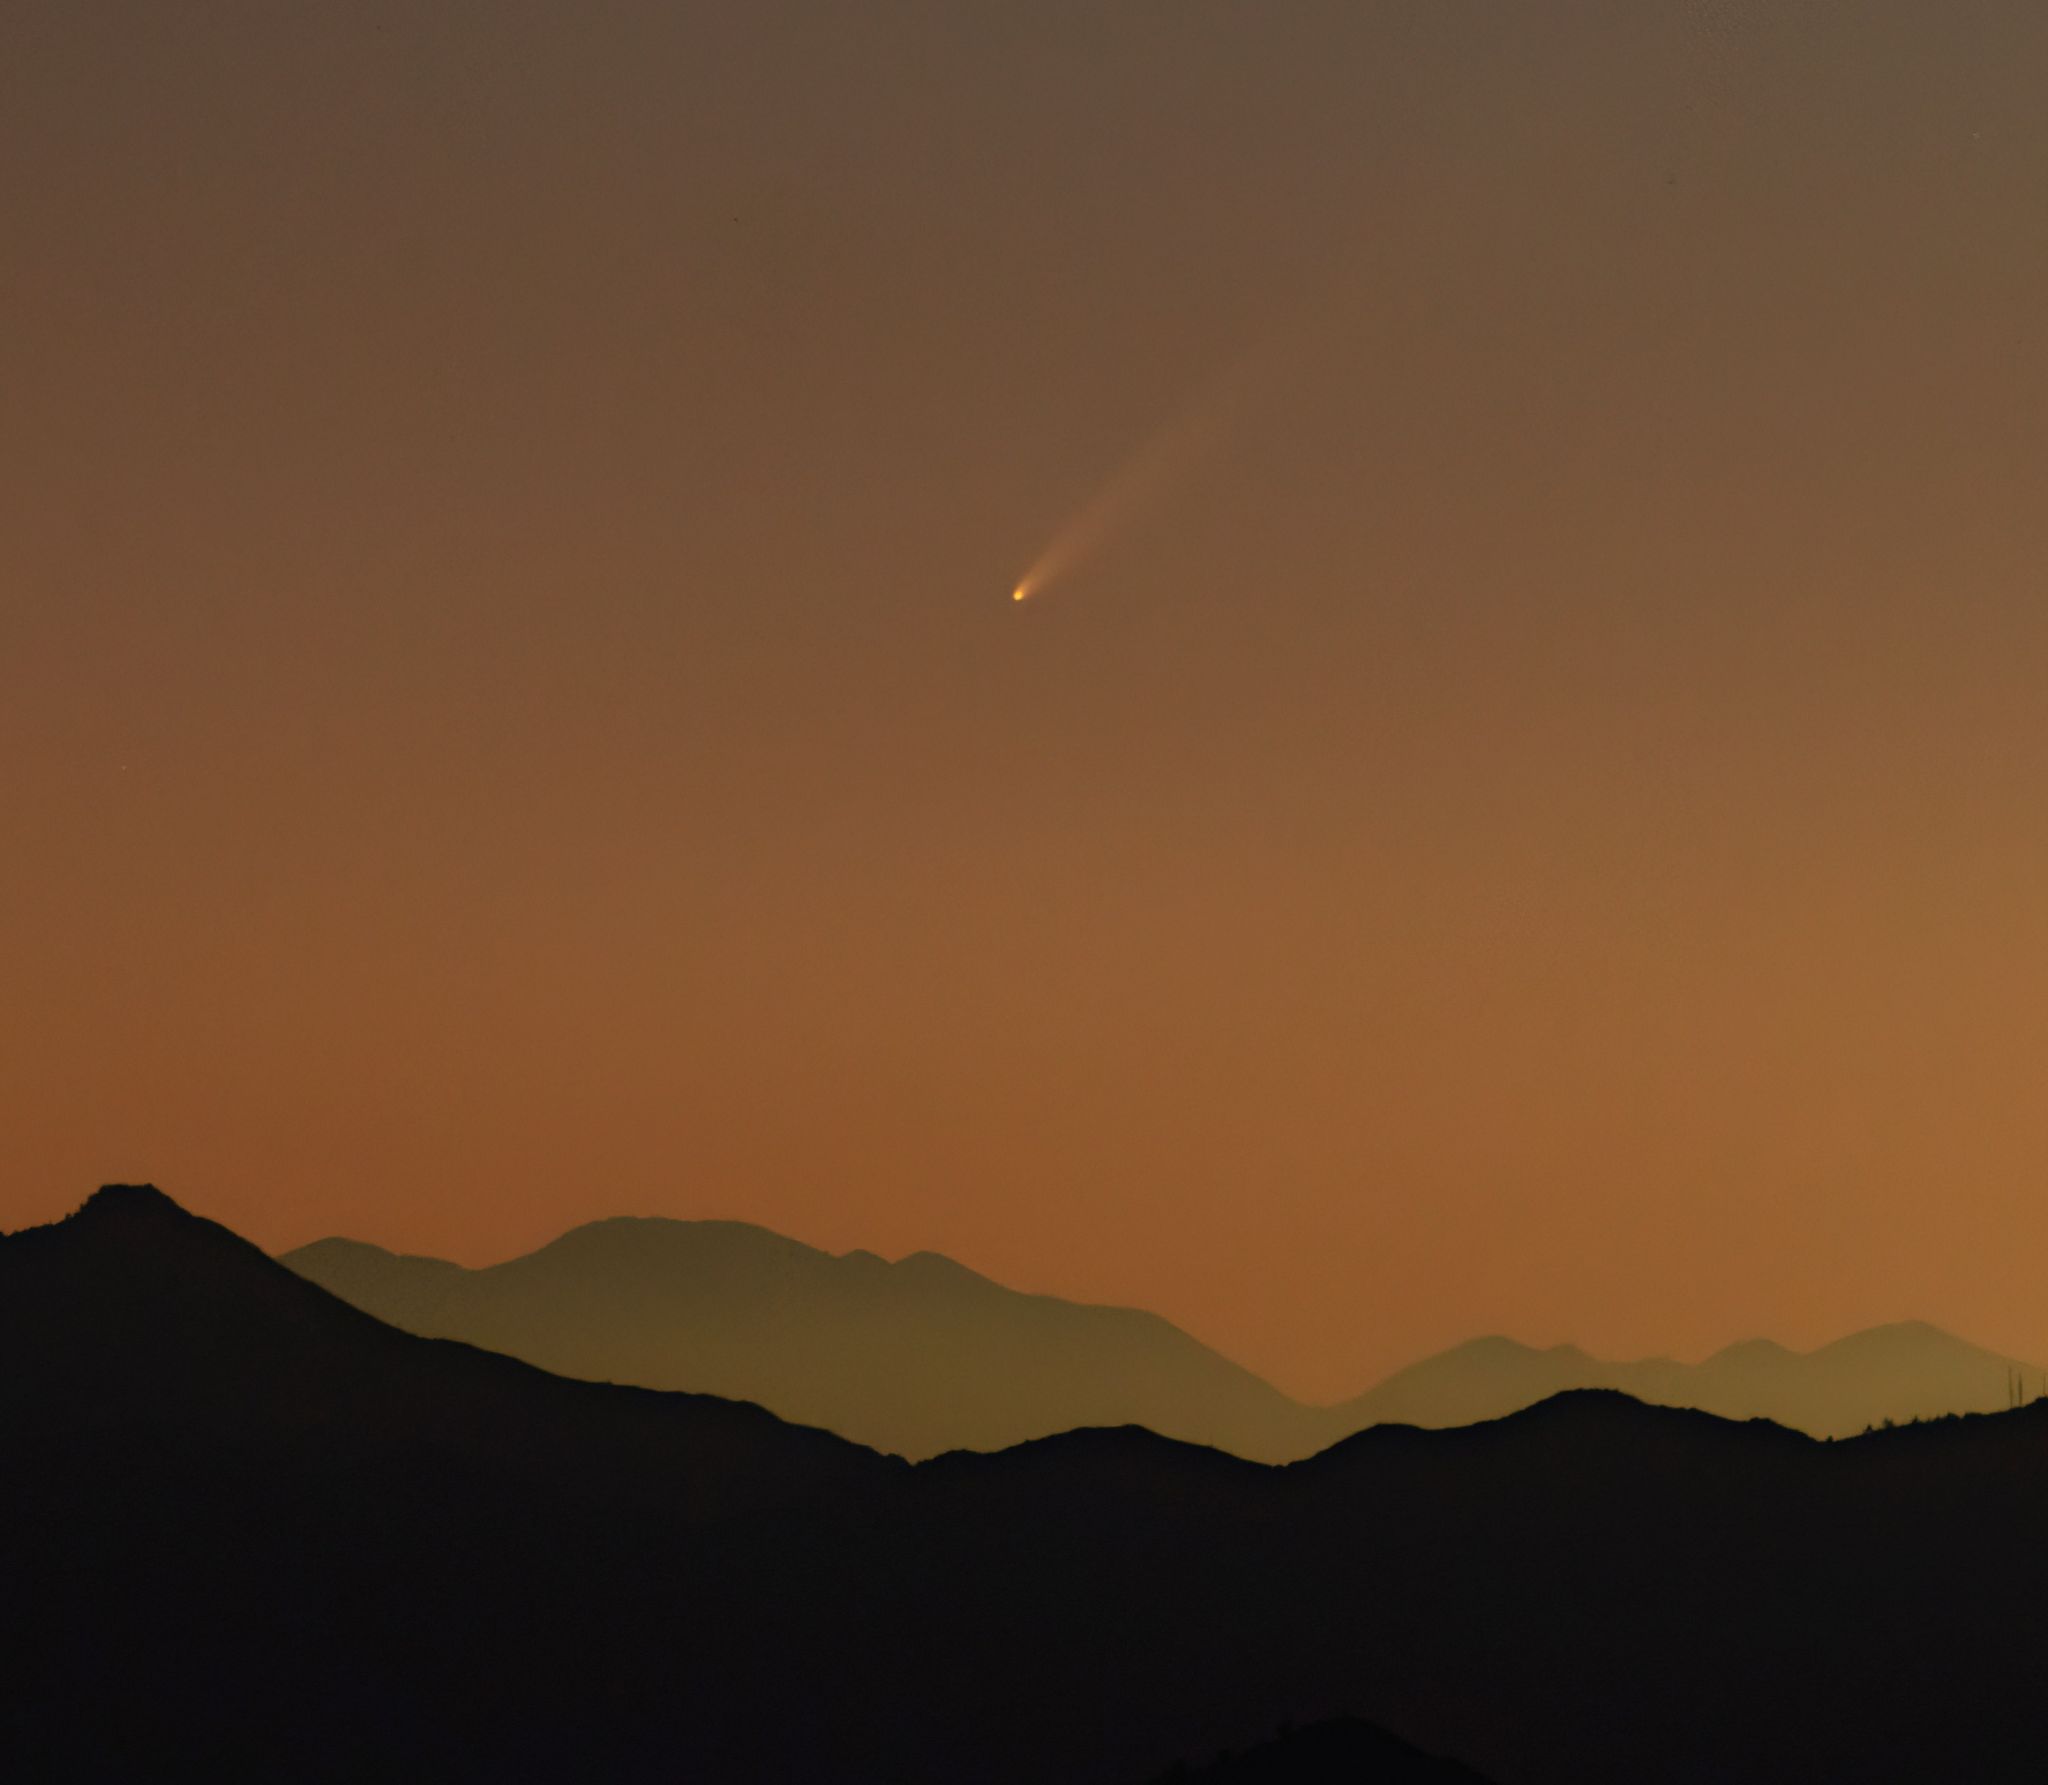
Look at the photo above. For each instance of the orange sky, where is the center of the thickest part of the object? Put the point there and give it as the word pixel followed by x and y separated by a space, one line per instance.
pixel 510 710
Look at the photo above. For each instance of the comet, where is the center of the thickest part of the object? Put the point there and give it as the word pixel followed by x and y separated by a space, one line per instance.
pixel 1144 477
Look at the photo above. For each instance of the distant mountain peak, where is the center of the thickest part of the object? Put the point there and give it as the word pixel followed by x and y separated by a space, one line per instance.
pixel 670 1234
pixel 914 1356
pixel 1897 1337
pixel 1761 1349
pixel 1899 1332
pixel 336 1248
pixel 938 1267
pixel 1499 1345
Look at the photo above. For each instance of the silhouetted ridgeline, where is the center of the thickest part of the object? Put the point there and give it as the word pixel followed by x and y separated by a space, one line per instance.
pixel 248 1532
pixel 1902 1372
pixel 916 1357
pixel 924 1356
pixel 1340 1752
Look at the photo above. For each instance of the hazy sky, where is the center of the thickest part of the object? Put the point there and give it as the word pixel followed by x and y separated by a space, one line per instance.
pixel 511 711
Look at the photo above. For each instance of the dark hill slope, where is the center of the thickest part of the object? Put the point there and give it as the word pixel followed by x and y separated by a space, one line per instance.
pixel 249 1532
pixel 134 1315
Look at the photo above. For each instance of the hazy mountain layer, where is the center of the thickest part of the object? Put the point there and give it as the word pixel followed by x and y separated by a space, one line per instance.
pixel 249 1533
pixel 1901 1372
pixel 915 1357
pixel 924 1356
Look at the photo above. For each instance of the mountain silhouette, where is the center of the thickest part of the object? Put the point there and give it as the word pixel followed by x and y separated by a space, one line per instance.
pixel 1343 1751
pixel 1901 1372
pixel 134 1306
pixel 914 1357
pixel 246 1531
pixel 923 1355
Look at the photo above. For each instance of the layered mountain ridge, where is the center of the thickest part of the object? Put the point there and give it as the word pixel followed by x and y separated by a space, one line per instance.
pixel 924 1355
pixel 245 1526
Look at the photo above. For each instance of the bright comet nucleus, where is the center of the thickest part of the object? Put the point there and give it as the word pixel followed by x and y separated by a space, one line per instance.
pixel 1144 477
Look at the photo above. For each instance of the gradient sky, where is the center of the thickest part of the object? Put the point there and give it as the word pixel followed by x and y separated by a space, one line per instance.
pixel 511 712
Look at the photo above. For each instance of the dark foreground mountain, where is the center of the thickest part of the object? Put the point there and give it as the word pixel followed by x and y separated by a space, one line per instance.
pixel 246 1532
pixel 923 1355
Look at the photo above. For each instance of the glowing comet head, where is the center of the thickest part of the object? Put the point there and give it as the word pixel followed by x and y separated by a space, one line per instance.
pixel 1146 475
